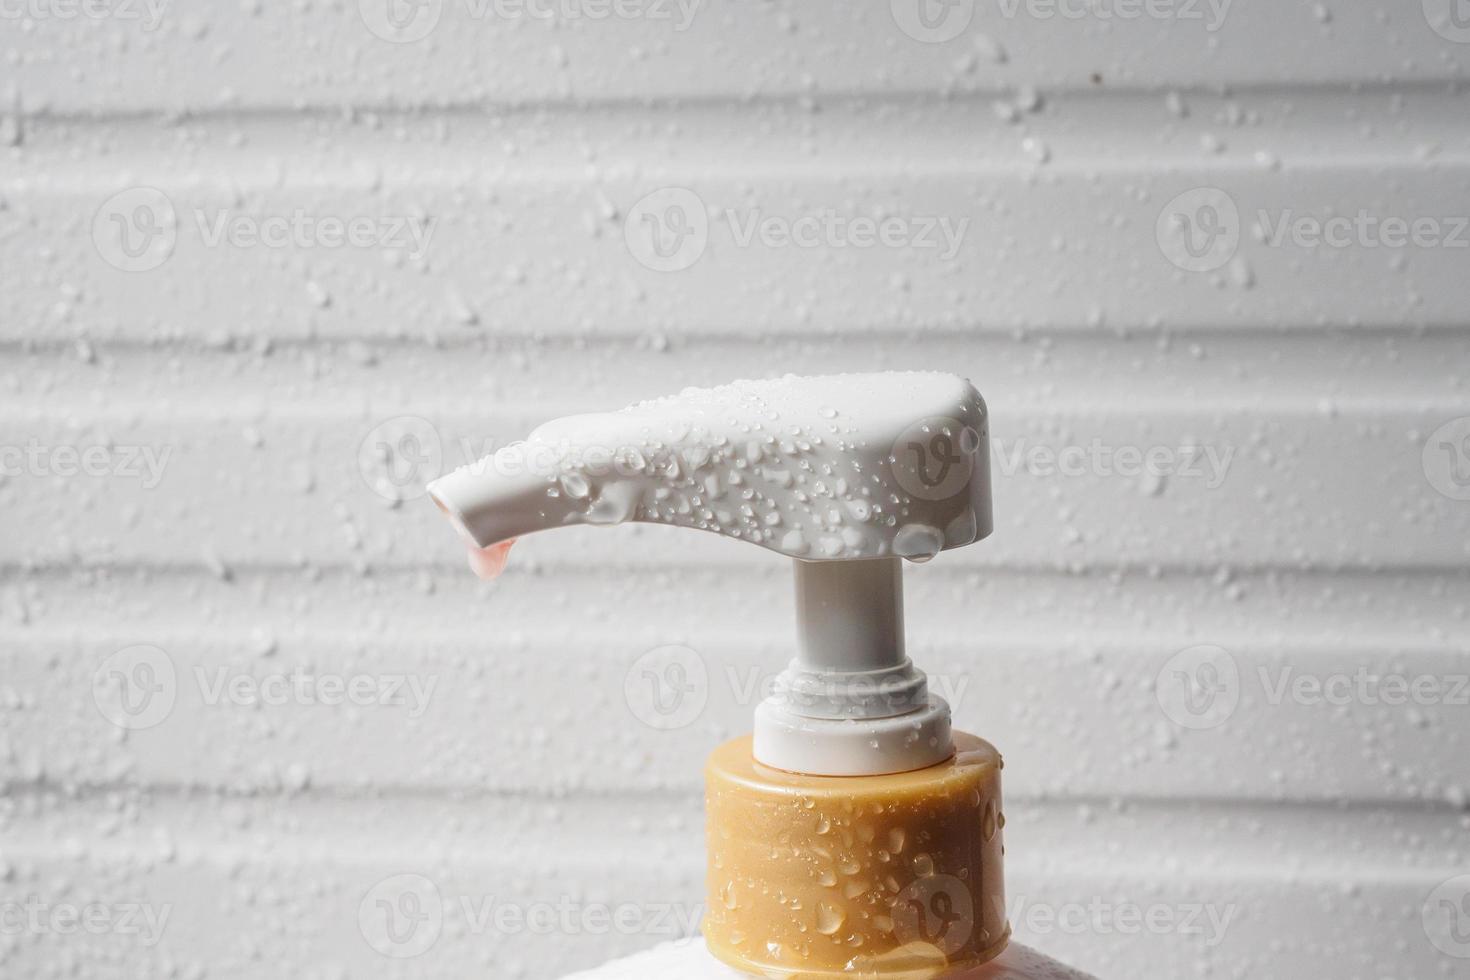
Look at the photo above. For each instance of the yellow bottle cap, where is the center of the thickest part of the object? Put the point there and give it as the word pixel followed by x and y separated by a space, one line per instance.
pixel 894 876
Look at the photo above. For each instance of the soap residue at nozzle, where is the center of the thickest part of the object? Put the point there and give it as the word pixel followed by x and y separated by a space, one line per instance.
pixel 488 563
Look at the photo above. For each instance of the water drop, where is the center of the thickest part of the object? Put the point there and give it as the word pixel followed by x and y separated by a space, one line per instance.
pixel 829 919
pixel 917 542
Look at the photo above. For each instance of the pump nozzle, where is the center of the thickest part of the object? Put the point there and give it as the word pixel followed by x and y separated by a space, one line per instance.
pixel 846 473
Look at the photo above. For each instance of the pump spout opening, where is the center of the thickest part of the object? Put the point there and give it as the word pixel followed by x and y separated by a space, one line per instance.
pixel 446 508
pixel 488 507
pixel 450 505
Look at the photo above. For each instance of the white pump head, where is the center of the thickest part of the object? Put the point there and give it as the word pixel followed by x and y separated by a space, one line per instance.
pixel 846 473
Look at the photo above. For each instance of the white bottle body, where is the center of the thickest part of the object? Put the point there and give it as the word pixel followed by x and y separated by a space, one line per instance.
pixel 691 961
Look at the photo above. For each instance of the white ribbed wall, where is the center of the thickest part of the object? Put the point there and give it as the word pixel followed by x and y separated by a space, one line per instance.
pixel 1336 538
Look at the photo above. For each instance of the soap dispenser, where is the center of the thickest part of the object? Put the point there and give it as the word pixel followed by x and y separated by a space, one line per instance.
pixel 853 833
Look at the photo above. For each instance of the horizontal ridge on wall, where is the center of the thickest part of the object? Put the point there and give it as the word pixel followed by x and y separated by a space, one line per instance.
pixel 180 59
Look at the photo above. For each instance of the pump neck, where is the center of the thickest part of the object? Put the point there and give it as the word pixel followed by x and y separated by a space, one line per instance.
pixel 851 703
pixel 849 615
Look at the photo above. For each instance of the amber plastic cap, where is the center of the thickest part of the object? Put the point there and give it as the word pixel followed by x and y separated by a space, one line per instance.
pixel 894 876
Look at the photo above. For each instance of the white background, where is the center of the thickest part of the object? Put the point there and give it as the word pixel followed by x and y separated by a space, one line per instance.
pixel 276 537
